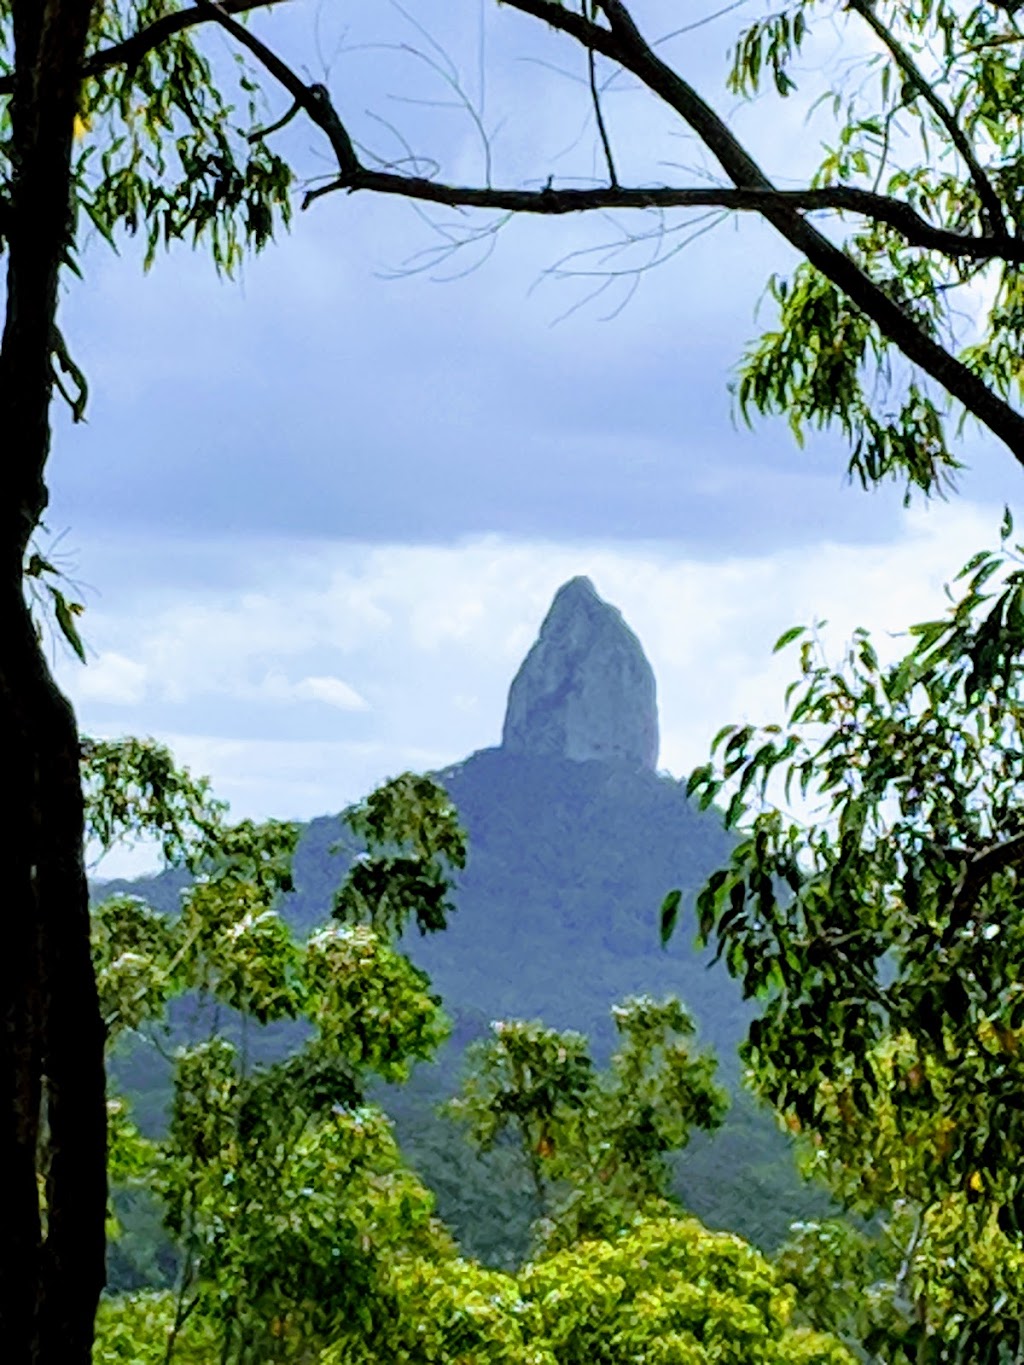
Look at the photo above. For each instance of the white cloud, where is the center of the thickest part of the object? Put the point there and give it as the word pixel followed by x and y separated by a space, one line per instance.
pixel 111 677
pixel 333 692
pixel 429 637
pixel 276 686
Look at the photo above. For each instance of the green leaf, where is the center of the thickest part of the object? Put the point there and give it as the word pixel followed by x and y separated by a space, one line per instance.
pixel 724 733
pixel 66 612
pixel 669 915
pixel 37 565
pixel 787 637
pixel 698 777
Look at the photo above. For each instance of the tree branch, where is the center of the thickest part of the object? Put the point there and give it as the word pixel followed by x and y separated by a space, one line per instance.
pixel 595 98
pixel 623 43
pixel 981 869
pixel 131 51
pixel 991 203
pixel 314 99
pixel 916 230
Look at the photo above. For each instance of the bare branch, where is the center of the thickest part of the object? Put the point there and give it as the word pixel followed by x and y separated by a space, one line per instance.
pixel 314 99
pixel 622 42
pixel 980 870
pixel 599 112
pixel 599 116
pixel 915 229
pixel 260 134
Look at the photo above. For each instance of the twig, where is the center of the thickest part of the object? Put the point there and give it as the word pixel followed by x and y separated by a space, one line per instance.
pixel 599 113
pixel 314 99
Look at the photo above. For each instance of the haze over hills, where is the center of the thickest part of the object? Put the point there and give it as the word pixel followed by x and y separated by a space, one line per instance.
pixel 574 839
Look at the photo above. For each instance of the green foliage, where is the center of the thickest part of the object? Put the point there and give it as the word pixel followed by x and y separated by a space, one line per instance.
pixel 369 1003
pixel 46 586
pixel 280 1186
pixel 883 939
pixel 593 1142
pixel 603 844
pixel 924 110
pixel 165 150
pixel 815 369
pixel 848 1282
pixel 283 1190
pixel 664 1290
pixel 133 1330
pixel 134 790
pixel 935 1285
pixel 410 844
pixel 135 956
pixel 286 1197
pixel 228 940
pixel 445 1310
pixel 302 1233
pixel 668 1291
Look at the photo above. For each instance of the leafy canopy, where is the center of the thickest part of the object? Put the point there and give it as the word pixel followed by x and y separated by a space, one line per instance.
pixel 281 1187
pixel 881 932
pixel 594 1142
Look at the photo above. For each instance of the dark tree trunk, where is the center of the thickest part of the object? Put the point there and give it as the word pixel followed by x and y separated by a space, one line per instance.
pixel 52 1101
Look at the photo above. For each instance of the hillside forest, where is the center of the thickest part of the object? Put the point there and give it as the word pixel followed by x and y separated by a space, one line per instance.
pixel 273 1213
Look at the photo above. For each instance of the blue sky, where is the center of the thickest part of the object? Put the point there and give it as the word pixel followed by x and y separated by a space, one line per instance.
pixel 319 512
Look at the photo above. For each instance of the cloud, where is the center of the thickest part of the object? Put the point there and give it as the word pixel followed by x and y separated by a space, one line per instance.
pixel 411 410
pixel 333 692
pixel 410 649
pixel 113 678
pixel 330 690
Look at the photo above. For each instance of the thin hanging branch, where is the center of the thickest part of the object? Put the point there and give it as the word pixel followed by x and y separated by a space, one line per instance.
pixel 131 50
pixel 602 130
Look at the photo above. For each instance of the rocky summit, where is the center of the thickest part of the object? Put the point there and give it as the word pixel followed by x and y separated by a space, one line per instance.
pixel 585 690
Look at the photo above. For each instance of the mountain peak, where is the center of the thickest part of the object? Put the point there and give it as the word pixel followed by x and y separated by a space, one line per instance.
pixel 578 587
pixel 586 689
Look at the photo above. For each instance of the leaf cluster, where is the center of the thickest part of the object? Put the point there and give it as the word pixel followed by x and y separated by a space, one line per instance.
pixel 882 930
pixel 410 845
pixel 594 1141
pixel 925 109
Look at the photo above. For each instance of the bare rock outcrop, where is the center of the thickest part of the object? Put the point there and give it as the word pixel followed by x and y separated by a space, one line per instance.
pixel 586 689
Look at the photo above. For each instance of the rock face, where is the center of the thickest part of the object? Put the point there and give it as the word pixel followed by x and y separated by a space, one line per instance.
pixel 585 690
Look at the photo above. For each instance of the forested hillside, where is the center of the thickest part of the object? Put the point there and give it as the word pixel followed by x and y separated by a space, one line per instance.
pixel 557 919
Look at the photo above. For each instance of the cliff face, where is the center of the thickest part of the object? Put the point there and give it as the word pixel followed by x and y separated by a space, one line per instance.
pixel 585 690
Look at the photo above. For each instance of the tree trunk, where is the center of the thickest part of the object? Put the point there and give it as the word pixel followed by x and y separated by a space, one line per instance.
pixel 52 1097
pixel 52 1121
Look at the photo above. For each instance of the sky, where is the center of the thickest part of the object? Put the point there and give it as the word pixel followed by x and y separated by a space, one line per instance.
pixel 318 513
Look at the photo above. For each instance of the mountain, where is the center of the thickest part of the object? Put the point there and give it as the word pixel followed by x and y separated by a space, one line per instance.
pixel 586 689
pixel 574 839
